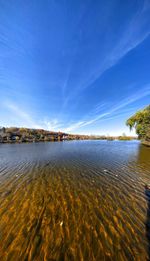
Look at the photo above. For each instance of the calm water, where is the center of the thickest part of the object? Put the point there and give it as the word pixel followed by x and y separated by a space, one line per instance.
pixel 78 200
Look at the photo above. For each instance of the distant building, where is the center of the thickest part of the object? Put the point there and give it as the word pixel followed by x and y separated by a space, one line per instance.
pixel 65 137
pixel 15 137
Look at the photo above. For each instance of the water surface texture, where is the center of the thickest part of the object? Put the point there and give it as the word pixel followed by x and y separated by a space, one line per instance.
pixel 77 200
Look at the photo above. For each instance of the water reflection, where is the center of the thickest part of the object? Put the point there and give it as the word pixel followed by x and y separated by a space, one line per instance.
pixel 144 155
pixel 147 193
pixel 73 201
pixel 143 163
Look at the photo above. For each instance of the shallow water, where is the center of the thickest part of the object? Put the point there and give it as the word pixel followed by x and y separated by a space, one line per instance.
pixel 77 200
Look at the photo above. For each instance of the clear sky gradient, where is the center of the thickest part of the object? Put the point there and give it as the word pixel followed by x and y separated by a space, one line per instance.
pixel 79 66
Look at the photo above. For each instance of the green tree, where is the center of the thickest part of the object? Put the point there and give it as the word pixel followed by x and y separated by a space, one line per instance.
pixel 141 122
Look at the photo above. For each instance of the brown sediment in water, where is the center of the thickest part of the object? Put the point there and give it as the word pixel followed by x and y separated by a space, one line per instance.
pixel 61 204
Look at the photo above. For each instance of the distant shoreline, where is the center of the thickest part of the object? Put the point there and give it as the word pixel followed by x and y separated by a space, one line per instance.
pixel 25 135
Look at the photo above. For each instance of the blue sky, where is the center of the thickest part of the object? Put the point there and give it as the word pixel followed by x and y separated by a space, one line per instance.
pixel 76 66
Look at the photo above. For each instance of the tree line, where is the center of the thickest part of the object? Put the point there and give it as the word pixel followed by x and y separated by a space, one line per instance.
pixel 141 122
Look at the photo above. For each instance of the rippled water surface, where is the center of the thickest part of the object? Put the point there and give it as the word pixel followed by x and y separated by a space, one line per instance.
pixel 78 200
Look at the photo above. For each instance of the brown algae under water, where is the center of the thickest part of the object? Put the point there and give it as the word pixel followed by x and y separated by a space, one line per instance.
pixel 78 200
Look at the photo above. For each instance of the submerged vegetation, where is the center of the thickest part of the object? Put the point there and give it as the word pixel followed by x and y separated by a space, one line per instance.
pixel 141 122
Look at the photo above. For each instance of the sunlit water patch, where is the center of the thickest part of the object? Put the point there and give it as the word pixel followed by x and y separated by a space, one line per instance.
pixel 78 200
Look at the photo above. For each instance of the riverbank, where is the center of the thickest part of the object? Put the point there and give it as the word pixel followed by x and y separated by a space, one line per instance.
pixel 146 143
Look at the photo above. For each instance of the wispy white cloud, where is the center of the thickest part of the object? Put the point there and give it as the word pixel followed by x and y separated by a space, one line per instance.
pixel 54 125
pixel 24 119
pixel 107 114
pixel 145 91
pixel 74 126
pixel 137 30
pixel 21 116
pixel 100 107
pixel 133 36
